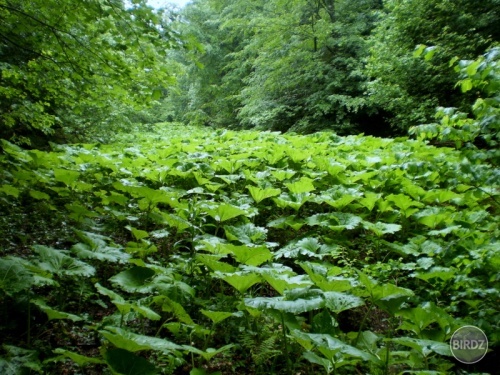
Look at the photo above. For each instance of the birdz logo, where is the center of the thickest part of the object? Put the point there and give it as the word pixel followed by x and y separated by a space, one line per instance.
pixel 469 344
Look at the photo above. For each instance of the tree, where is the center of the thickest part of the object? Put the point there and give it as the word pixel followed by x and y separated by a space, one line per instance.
pixel 278 64
pixel 61 58
pixel 410 89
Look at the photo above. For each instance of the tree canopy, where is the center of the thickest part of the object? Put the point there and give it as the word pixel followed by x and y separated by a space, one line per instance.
pixel 61 58
pixel 347 66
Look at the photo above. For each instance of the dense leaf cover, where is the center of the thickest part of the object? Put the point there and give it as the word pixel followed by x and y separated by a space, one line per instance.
pixel 253 252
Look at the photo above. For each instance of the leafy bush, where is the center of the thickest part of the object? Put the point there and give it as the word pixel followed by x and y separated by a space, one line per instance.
pixel 480 135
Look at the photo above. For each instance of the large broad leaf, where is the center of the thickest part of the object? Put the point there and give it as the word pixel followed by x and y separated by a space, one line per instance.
pixel 369 200
pixel 66 176
pixel 388 296
pixel 134 279
pixel 259 194
pixel 14 277
pixel 240 280
pixel 295 306
pixel 176 221
pixel 284 282
pixel 335 220
pixel 212 262
pixel 210 352
pixel 225 211
pixel 283 174
pixel 137 233
pixel 329 345
pixel 434 216
pixel 304 185
pixel 292 200
pixel 287 221
pixel 307 247
pixel 96 246
pixel 10 190
pixel 424 347
pixel 127 306
pixel 443 273
pixel 252 256
pixel 171 306
pixel 338 302
pixel 54 314
pixel 404 203
pixel 103 253
pixel 61 264
pixel 320 276
pixel 316 359
pixel 380 228
pixel 133 342
pixel 124 362
pixel 79 359
pixel 246 233
pixel 216 316
pixel 419 318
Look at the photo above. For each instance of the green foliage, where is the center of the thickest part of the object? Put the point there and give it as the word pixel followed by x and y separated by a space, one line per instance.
pixel 184 250
pixel 410 89
pixel 276 65
pixel 62 60
pixel 483 129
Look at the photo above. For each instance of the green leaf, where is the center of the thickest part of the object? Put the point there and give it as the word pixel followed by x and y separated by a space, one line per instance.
pixel 240 281
pixel 442 273
pixel 331 344
pixel 216 316
pixel 338 302
pixel 424 347
pixel 212 262
pixel 54 314
pixel 133 342
pixel 138 234
pixel 304 185
pixel 79 359
pixel 156 95
pixel 224 212
pixel 296 306
pixel 14 277
pixel 134 279
pixel 66 176
pixel 319 275
pixel 249 255
pixel 210 352
pixel 168 305
pixel 292 200
pixel 308 247
pixel 259 194
pixel 10 190
pixel 283 282
pixel 287 221
pixel 335 220
pixel 466 85
pixel 245 233
pixel 124 362
pixel 102 253
pixel 39 195
pixel 57 262
pixel 380 228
